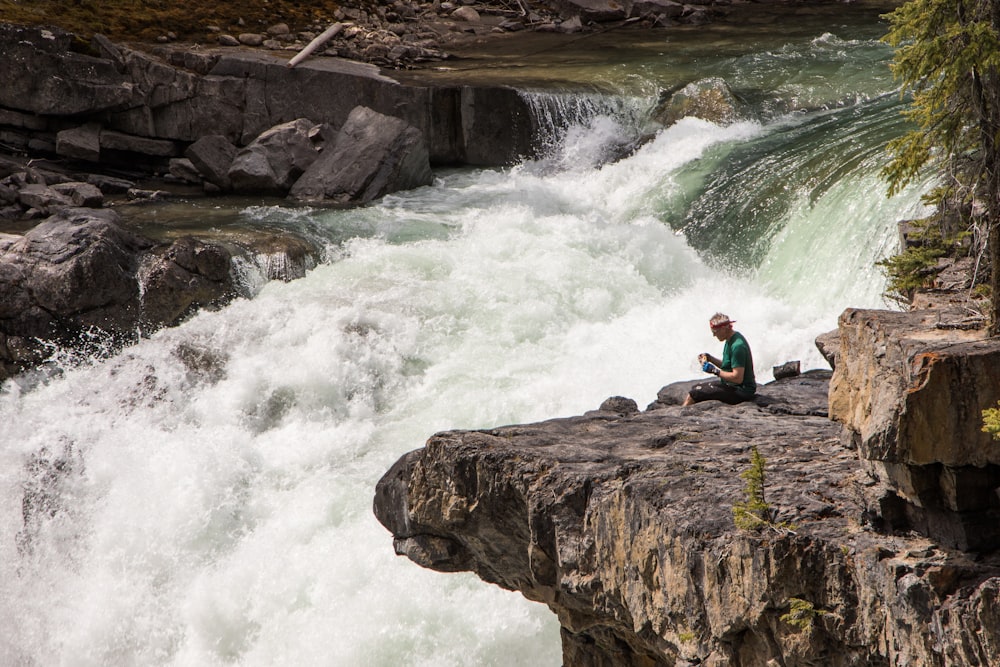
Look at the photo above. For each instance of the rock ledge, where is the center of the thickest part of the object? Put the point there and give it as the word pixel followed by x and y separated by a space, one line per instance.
pixel 621 522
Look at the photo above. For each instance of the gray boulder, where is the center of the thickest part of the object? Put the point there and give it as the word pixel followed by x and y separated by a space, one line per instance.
pixel 275 159
pixel 665 8
pixel 80 143
pixel 184 170
pixel 79 277
pixel 81 194
pixel 179 278
pixel 708 99
pixel 598 11
pixel 212 156
pixel 70 272
pixel 374 155
pixel 42 198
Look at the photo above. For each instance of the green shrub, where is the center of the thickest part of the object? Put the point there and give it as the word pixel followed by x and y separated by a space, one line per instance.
pixel 991 421
pixel 801 614
pixel 916 266
pixel 754 513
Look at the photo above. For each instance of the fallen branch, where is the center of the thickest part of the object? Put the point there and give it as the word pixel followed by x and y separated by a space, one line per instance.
pixel 327 35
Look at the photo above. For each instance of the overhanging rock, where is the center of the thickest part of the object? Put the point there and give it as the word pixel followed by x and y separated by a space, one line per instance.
pixel 622 524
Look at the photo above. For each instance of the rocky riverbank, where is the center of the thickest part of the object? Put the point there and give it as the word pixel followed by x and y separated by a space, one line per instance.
pixel 395 34
pixel 86 131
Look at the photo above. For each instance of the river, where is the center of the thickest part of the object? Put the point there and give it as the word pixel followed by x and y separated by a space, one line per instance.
pixel 219 512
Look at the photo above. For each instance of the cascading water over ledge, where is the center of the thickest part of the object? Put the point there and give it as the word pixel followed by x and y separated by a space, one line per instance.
pixel 222 507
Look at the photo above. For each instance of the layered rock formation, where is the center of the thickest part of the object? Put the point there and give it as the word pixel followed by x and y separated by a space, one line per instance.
pixel 145 108
pixel 911 388
pixel 622 524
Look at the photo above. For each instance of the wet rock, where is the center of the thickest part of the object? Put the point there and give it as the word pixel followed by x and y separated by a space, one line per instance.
pixel 282 257
pixel 45 491
pixel 80 280
pixel 181 278
pixel 73 271
pixel 142 194
pixel 374 155
pixel 708 99
pixel 202 363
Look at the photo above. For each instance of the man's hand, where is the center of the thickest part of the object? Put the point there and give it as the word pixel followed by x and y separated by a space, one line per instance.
pixel 709 367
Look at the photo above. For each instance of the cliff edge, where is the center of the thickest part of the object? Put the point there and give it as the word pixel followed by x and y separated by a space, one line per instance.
pixel 880 551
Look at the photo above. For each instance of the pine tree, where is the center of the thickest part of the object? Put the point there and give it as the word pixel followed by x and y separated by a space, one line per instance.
pixel 755 513
pixel 948 57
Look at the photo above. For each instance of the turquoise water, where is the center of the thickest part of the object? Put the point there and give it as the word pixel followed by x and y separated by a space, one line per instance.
pixel 221 514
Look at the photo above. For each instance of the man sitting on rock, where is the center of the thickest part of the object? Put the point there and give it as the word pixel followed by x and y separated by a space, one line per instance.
pixel 735 370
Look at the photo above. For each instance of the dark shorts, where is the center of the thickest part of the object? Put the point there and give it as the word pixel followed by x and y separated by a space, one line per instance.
pixel 716 391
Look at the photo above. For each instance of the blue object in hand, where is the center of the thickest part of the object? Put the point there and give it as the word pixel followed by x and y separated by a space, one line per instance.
pixel 709 367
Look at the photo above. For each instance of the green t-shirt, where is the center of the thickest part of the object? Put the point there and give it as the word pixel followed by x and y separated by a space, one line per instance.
pixel 736 353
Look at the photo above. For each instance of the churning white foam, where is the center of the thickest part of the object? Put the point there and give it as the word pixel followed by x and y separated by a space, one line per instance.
pixel 216 502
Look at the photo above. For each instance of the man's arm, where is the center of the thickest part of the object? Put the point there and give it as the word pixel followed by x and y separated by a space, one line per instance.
pixel 735 376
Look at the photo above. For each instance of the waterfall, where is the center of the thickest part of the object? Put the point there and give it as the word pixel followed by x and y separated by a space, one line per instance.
pixel 204 496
